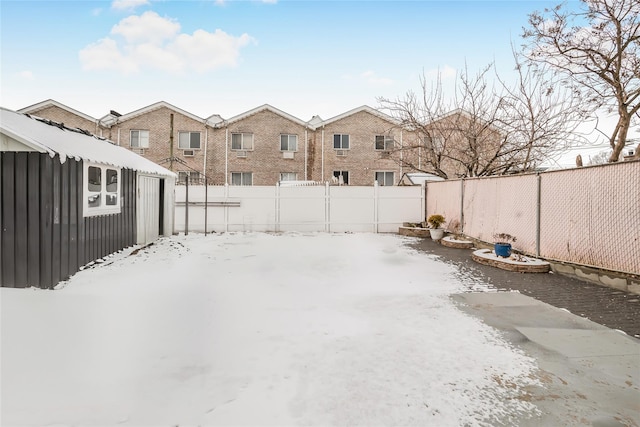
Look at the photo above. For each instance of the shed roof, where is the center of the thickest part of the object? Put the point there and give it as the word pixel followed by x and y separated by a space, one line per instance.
pixel 49 137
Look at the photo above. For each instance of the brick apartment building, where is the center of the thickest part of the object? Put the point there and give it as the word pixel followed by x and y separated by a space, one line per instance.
pixel 259 147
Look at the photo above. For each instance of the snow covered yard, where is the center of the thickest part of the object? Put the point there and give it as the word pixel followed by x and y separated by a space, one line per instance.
pixel 258 329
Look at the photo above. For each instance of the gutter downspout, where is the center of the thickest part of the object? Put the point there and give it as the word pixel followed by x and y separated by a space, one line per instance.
pixel 322 156
pixel 226 155
pixel 306 154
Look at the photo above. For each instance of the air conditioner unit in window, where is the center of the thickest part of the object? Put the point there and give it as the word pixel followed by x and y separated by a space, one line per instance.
pixel 287 154
pixel 241 153
pixel 341 153
pixel 188 153
pixel 139 151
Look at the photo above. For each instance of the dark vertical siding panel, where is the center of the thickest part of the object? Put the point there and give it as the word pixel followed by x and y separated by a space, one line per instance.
pixel 55 254
pixel 64 220
pixel 82 255
pixel 33 220
pixel 21 215
pixel 73 217
pixel 8 220
pixel 133 209
pixel 46 221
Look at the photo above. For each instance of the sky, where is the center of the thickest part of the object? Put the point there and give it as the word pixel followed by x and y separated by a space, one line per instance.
pixel 224 330
pixel 222 57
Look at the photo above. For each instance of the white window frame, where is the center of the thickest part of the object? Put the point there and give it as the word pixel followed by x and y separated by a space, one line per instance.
pixel 102 208
pixel 342 141
pixel 288 176
pixel 289 142
pixel 142 138
pixel 193 176
pixel 243 146
pixel 243 178
pixel 386 175
pixel 336 175
pixel 180 134
pixel 387 143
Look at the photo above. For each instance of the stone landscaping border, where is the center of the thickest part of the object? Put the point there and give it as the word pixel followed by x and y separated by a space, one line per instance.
pixel 451 242
pixel 529 265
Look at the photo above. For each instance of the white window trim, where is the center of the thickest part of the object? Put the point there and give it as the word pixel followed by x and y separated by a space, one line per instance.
pixel 387 139
pixel 242 146
pixel 289 135
pixel 341 135
pixel 242 184
pixel 189 132
pixel 103 209
pixel 393 178
pixel 131 139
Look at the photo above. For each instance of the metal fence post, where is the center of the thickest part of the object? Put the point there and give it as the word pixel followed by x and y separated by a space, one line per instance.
pixel 206 204
pixel 186 205
pixel 538 210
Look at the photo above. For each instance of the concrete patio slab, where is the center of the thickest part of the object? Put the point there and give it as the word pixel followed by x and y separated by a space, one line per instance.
pixel 589 374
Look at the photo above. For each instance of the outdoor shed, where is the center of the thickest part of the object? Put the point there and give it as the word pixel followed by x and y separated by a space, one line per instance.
pixel 70 198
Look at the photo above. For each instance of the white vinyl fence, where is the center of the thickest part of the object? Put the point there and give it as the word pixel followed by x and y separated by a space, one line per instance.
pixel 325 208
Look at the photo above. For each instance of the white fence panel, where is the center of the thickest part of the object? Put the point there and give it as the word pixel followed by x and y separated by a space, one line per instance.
pixel 305 209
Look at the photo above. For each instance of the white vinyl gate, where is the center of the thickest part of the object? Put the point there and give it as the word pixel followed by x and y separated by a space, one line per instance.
pixel 148 209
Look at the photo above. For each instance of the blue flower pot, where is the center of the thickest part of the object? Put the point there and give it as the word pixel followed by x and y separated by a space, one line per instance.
pixel 502 249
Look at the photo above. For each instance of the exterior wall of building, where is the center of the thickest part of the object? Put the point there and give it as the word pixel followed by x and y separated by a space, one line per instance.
pixel 265 161
pixel 315 158
pixel 164 126
pixel 361 160
pixel 69 119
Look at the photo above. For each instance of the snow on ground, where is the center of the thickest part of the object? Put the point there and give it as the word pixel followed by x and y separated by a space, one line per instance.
pixel 258 329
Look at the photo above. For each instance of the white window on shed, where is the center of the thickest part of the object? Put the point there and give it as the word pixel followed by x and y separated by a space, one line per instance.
pixel 101 189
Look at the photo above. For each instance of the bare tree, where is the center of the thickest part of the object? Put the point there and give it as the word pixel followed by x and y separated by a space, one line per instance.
pixel 483 129
pixel 539 114
pixel 601 59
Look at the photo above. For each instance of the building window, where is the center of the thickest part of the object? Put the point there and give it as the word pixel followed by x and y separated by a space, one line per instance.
pixel 189 140
pixel 288 176
pixel 341 177
pixel 384 143
pixel 340 142
pixel 242 141
pixel 384 178
pixel 101 190
pixel 139 139
pixel 194 177
pixel 288 142
pixel 241 178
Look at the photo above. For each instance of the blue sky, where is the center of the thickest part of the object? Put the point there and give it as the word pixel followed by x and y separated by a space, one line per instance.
pixel 208 57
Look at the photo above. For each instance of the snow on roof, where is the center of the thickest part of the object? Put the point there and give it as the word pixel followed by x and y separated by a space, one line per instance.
pixel 419 177
pixel 54 139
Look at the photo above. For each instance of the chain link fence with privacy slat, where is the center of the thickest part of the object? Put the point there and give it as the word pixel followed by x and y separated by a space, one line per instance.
pixel 588 216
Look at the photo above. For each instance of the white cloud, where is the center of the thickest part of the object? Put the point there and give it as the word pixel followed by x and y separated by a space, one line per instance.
pixel 149 41
pixel 128 4
pixel 446 73
pixel 146 28
pixel 371 78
